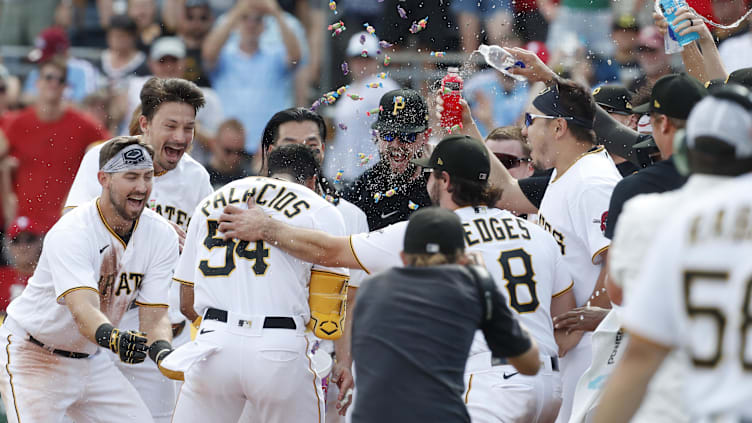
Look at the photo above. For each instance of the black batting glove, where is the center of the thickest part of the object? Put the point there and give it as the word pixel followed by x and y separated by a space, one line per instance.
pixel 159 350
pixel 130 346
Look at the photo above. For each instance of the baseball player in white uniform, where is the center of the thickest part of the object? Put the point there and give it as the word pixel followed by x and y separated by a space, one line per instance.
pixel 96 261
pixel 524 260
pixel 694 294
pixel 180 182
pixel 254 299
pixel 715 120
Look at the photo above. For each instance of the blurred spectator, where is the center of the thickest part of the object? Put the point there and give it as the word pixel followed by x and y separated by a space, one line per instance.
pixel 193 27
pixel 49 140
pixel 22 20
pixel 512 150
pixel 228 159
pixel 167 60
pixel 622 67
pixel 616 100
pixel 99 105
pixel 82 77
pixel 498 100
pixel 529 23
pixel 144 13
pixel 496 17
pixel 353 132
pixel 122 59
pixel 740 41
pixel 25 247
pixel 9 93
pixel 588 20
pixel 386 191
pixel 253 79
pixel 651 54
pixel 726 13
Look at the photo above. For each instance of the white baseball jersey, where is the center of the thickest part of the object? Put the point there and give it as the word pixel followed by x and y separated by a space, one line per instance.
pixel 254 278
pixel 574 210
pixel 174 196
pixel 694 293
pixel 71 259
pixel 355 222
pixel 523 259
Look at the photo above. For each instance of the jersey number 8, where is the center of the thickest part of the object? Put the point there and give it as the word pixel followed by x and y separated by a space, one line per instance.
pixel 232 248
pixel 513 281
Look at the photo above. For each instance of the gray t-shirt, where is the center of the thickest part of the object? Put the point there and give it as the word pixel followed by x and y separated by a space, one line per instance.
pixel 412 330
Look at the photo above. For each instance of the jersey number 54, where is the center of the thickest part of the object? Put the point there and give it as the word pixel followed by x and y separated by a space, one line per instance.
pixel 232 248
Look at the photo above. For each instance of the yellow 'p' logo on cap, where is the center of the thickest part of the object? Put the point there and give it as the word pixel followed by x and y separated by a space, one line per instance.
pixel 399 104
pixel 656 104
pixel 439 161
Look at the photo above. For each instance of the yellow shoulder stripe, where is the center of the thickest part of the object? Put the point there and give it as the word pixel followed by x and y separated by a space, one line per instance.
pixel 564 291
pixel 140 304
pixel 182 282
pixel 59 297
pixel 356 256
pixel 598 253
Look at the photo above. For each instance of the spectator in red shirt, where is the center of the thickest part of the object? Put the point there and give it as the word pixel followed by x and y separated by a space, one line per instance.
pixel 25 247
pixel 49 140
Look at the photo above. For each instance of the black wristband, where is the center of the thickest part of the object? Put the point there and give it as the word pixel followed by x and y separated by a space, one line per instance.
pixel 158 346
pixel 103 333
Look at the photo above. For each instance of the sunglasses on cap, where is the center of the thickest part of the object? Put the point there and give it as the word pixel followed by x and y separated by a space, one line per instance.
pixel 530 117
pixel 391 136
pixel 509 161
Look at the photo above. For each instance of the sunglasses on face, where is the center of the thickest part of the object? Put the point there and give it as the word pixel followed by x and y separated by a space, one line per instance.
pixel 509 161
pixel 530 117
pixel 391 136
pixel 51 77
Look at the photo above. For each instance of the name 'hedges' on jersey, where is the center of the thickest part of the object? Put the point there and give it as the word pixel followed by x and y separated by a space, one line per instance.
pixel 211 264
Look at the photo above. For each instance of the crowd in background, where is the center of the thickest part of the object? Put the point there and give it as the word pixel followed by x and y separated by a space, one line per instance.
pixel 253 58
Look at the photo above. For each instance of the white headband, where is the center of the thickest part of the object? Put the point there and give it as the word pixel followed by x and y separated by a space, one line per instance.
pixel 132 157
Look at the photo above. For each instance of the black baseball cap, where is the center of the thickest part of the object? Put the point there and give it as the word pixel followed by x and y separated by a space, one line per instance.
pixel 461 156
pixel 741 76
pixel 402 111
pixel 434 230
pixel 614 98
pixel 674 95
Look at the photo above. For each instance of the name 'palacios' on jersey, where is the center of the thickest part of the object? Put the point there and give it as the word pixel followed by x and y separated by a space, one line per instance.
pixel 732 225
pixel 269 196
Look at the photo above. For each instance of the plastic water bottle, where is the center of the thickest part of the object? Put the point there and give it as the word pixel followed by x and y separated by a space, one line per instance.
pixel 669 8
pixel 501 60
pixel 670 43
pixel 451 93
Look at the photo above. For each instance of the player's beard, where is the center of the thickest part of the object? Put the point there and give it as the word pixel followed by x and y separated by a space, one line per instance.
pixel 121 206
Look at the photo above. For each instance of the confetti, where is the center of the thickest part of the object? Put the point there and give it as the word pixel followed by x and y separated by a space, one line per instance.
pixel 412 206
pixel 416 27
pixel 375 85
pixel 446 90
pixel 401 12
pixel 338 176
pixel 455 128
pixel 391 192
pixel 342 126
pixel 355 97
pixel 377 197
pixel 345 68
pixel 337 27
pixel 369 29
pixel 374 111
pixel 364 159
pixel 341 90
pixel 438 54
pixel 387 60
pixel 385 44
pixel 333 6
pixel 364 53
pixel 362 39
pixel 382 75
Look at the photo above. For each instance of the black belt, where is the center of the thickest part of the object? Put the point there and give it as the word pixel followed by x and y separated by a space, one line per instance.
pixel 269 322
pixel 63 353
pixel 496 361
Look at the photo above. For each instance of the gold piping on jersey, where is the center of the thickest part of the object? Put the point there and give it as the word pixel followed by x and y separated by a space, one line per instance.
pixel 66 208
pixel 469 387
pixel 10 379
pixel 315 388
pixel 356 256
pixel 106 225
pixel 182 282
pixel 160 173
pixel 140 304
pixel 564 291
pixel 599 252
pixel 177 399
pixel 76 289
pixel 597 150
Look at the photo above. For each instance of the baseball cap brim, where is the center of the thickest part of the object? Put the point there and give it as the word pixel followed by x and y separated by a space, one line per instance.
pixel 422 162
pixel 647 143
pixel 391 126
pixel 642 108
